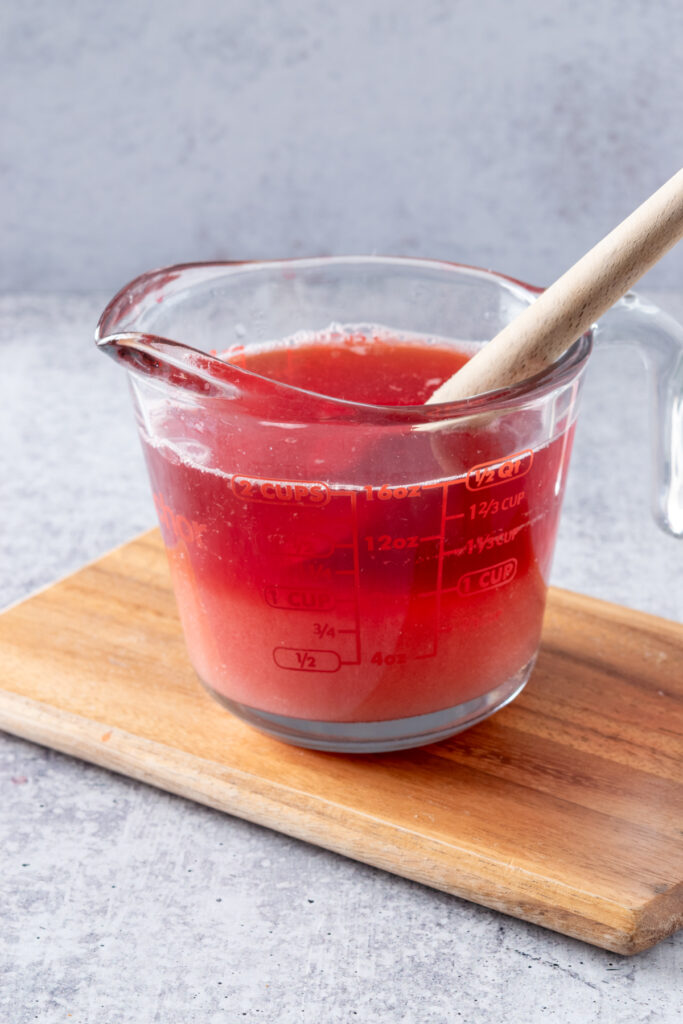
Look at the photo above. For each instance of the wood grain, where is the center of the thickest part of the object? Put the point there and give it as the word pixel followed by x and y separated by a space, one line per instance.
pixel 565 809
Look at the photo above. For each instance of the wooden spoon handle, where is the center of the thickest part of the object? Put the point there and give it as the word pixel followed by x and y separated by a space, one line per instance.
pixel 545 329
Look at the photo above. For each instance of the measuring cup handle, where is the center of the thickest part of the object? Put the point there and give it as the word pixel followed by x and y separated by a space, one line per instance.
pixel 659 339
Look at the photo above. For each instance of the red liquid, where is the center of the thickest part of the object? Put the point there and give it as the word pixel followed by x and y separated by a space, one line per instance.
pixel 418 586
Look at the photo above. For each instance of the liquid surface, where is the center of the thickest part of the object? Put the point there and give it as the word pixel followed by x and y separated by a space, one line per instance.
pixel 362 366
pixel 333 572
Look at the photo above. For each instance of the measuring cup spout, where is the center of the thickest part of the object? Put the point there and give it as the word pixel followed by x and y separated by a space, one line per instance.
pixel 659 340
pixel 173 363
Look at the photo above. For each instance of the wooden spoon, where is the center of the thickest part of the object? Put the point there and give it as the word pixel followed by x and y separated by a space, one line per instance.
pixel 561 314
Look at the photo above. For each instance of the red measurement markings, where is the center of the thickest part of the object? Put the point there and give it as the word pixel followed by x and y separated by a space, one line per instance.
pixel 323 629
pixel 284 492
pixel 380 658
pixel 299 599
pixel 492 506
pixel 487 579
pixel 484 542
pixel 385 542
pixel 499 471
pixel 311 545
pixel 315 571
pixel 302 659
pixel 356 575
pixel 176 528
pixel 386 493
pixel 452 532
pixel 439 570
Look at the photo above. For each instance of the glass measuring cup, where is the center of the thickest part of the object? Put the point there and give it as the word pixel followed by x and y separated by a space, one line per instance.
pixel 353 577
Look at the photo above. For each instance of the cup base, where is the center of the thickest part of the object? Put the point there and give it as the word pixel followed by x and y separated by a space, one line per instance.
pixel 383 736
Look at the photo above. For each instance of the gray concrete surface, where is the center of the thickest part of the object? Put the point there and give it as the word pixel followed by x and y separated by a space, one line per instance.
pixel 135 135
pixel 123 905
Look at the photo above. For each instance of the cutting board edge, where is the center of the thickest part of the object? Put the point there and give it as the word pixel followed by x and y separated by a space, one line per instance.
pixel 619 929
pixel 151 534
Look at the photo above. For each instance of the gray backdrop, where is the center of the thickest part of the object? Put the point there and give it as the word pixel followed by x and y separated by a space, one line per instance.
pixel 504 134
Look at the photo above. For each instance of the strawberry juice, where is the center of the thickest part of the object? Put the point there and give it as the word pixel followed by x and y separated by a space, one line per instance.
pixel 330 575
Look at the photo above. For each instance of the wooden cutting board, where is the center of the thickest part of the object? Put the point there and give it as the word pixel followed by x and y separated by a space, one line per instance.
pixel 565 808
